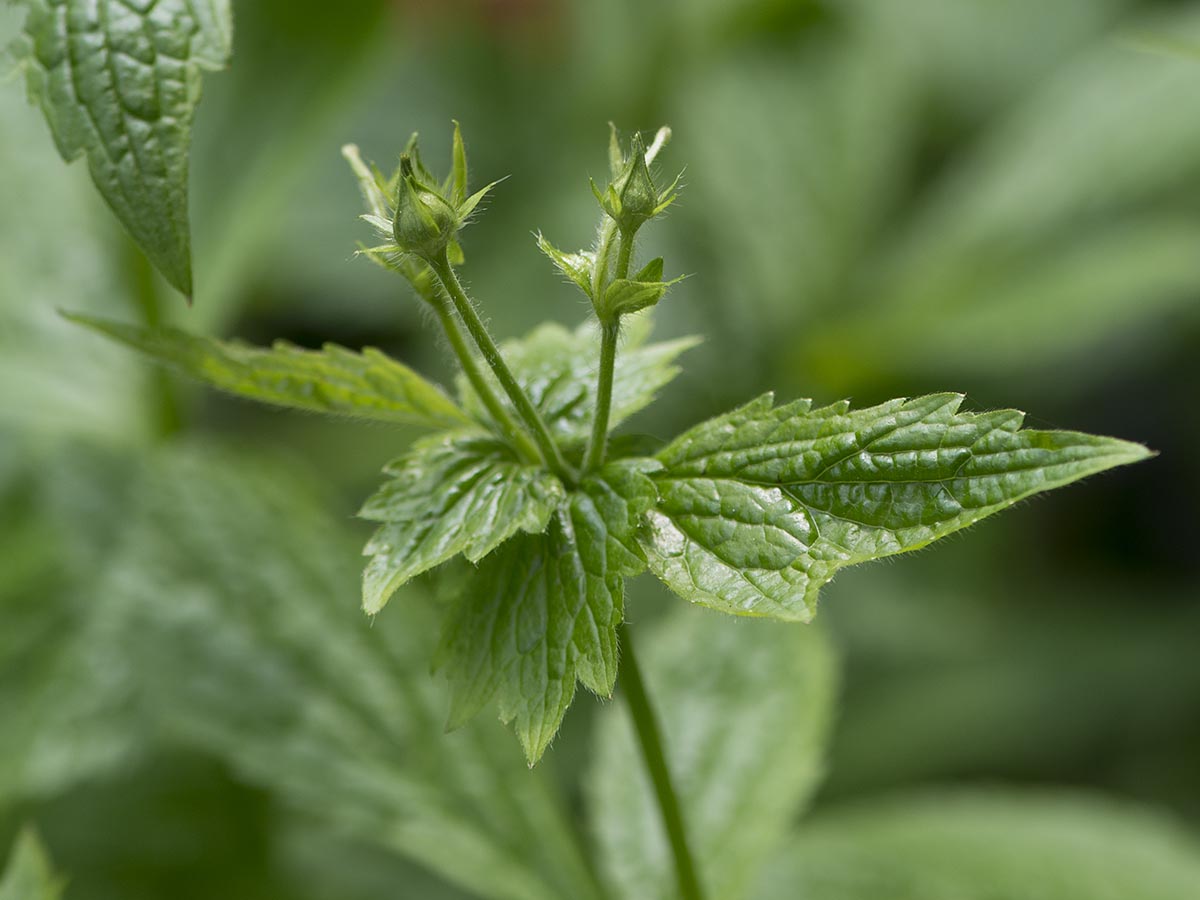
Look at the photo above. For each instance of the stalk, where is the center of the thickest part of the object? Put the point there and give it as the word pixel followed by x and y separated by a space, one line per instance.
pixel 515 434
pixel 549 450
pixel 633 689
pixel 610 331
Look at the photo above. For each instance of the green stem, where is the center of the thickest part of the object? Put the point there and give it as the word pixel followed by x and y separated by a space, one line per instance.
pixel 598 442
pixel 515 434
pixel 168 419
pixel 634 691
pixel 610 331
pixel 491 353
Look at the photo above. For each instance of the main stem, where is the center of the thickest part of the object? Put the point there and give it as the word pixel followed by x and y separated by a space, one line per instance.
pixel 550 451
pixel 610 331
pixel 634 691
pixel 499 413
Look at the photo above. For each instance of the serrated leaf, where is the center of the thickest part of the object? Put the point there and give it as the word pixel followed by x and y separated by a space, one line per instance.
pixel 761 506
pixel 28 875
pixel 451 494
pixel 557 368
pixel 119 82
pixel 975 845
pixel 745 710
pixel 334 380
pixel 543 610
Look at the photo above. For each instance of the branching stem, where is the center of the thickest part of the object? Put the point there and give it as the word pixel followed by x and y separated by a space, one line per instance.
pixel 633 689
pixel 549 450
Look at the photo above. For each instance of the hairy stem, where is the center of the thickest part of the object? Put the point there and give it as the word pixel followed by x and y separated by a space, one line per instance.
pixel 550 451
pixel 516 435
pixel 610 331
pixel 634 691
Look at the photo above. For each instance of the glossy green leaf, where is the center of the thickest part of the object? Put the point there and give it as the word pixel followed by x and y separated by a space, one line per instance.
pixel 543 610
pixel 745 710
pixel 987 846
pixel 451 494
pixel 557 368
pixel 367 385
pixel 761 506
pixel 28 875
pixel 119 82
pixel 576 266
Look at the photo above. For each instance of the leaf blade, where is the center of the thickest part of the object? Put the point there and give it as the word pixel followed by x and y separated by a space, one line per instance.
pixel 542 611
pixel 762 506
pixel 120 85
pixel 451 494
pixel 334 380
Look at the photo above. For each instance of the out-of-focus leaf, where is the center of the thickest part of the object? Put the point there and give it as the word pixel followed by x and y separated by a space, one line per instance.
pixel 64 696
pixel 543 610
pixel 264 660
pixel 745 709
pixel 120 83
pixel 760 507
pixel 367 385
pixel 450 494
pixel 28 875
pixel 53 377
pixel 987 846
pixel 557 369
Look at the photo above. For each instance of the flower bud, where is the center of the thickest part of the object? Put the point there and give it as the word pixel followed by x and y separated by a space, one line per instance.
pixel 425 223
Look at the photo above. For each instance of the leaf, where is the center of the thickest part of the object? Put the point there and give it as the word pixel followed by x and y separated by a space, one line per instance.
pixel 367 385
pixel 120 83
pixel 624 296
pixel 28 875
pixel 975 845
pixel 263 660
pixel 451 494
pixel 745 710
pixel 543 610
pixel 557 368
pixel 761 506
pixel 576 266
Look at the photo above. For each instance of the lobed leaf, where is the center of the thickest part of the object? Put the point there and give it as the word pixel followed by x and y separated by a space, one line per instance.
pixel 975 845
pixel 119 83
pixel 28 875
pixel 557 368
pixel 745 710
pixel 451 494
pixel 761 506
pixel 542 611
pixel 367 385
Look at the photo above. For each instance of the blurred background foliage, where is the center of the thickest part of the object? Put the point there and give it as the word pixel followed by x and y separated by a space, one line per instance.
pixel 882 199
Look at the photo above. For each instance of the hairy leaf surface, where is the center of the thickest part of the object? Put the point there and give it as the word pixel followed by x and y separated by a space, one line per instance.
pixel 745 709
pixel 557 368
pixel 451 494
pixel 761 506
pixel 28 875
pixel 334 380
pixel 119 82
pixel 987 846
pixel 543 610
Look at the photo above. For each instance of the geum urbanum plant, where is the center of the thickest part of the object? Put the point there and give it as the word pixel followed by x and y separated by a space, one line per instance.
pixel 748 513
